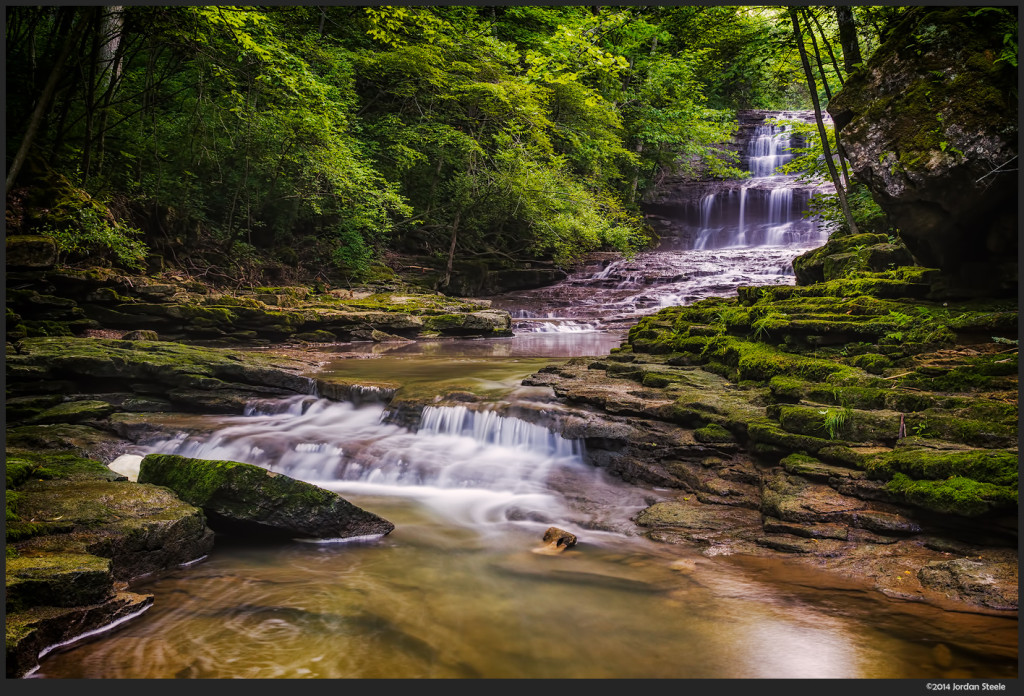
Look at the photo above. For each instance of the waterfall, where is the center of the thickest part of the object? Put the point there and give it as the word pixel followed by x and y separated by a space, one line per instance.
pixel 490 428
pixel 765 209
pixel 477 466
pixel 768 149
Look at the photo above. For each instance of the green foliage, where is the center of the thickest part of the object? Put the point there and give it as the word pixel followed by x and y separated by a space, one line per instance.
pixel 95 238
pixel 834 420
pixel 866 213
pixel 339 133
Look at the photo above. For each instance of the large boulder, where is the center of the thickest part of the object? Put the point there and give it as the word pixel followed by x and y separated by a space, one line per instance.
pixel 237 496
pixel 929 125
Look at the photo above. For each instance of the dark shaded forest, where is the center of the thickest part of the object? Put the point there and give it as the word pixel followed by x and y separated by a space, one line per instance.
pixel 288 144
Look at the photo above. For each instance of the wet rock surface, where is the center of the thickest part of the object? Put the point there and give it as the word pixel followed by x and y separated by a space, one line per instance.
pixel 80 532
pixel 890 472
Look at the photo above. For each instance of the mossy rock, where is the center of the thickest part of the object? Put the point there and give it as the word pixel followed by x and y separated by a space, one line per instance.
pixel 713 434
pixel 956 495
pixel 74 412
pixel 30 252
pixel 815 470
pixel 810 266
pixel 35 629
pixel 998 467
pixel 318 336
pixel 840 423
pixel 768 433
pixel 59 580
pixel 240 495
pixel 61 436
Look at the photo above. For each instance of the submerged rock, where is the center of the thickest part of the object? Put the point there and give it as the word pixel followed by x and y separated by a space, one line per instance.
pixel 247 497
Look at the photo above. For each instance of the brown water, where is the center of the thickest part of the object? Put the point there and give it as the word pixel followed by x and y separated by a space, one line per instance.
pixel 433 600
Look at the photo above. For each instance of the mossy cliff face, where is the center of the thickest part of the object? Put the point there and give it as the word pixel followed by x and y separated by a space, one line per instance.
pixel 825 422
pixel 929 125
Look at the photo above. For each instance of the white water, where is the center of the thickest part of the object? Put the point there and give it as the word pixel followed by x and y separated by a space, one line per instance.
pixel 476 468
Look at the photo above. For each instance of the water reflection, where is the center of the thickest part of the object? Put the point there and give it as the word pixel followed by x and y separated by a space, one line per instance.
pixel 436 601
pixel 544 344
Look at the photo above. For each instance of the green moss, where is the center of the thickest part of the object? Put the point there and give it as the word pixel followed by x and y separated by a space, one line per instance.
pixel 998 467
pixel 769 433
pixel 760 362
pixel 713 434
pixel 658 380
pixel 872 362
pixel 787 389
pixel 955 495
pixel 848 396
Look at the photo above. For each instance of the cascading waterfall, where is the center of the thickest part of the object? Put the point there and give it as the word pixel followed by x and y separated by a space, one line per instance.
pixel 762 210
pixel 769 149
pixel 477 467
pixel 714 234
pixel 488 427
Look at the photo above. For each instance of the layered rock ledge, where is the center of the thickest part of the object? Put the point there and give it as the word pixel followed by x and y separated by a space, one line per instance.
pixel 849 424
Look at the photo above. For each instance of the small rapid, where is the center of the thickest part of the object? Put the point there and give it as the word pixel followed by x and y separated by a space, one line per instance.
pixel 476 467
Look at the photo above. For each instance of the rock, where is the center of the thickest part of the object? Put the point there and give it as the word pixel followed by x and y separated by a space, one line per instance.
pixel 975 580
pixel 885 522
pixel 33 631
pixel 141 335
pixel 31 251
pixel 810 266
pixel 559 539
pixel 318 336
pixel 76 532
pixel 140 528
pixel 58 580
pixel 73 412
pixel 930 127
pixel 240 496
pixel 384 337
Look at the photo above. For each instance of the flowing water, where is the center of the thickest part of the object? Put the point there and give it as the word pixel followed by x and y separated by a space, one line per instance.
pixel 463 587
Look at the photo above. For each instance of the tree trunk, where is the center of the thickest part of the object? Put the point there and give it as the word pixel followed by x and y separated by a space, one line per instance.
pixel 43 105
pixel 451 251
pixel 828 47
pixel 821 124
pixel 828 92
pixel 636 173
pixel 817 56
pixel 113 53
pixel 848 37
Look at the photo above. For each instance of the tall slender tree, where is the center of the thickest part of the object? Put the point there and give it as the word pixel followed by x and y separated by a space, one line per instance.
pixel 812 87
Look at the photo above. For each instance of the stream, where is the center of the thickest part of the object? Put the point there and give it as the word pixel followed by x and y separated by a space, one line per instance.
pixel 463 588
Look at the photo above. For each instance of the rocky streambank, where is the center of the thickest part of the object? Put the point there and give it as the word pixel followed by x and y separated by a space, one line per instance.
pixel 43 300
pixel 78 533
pixel 866 424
